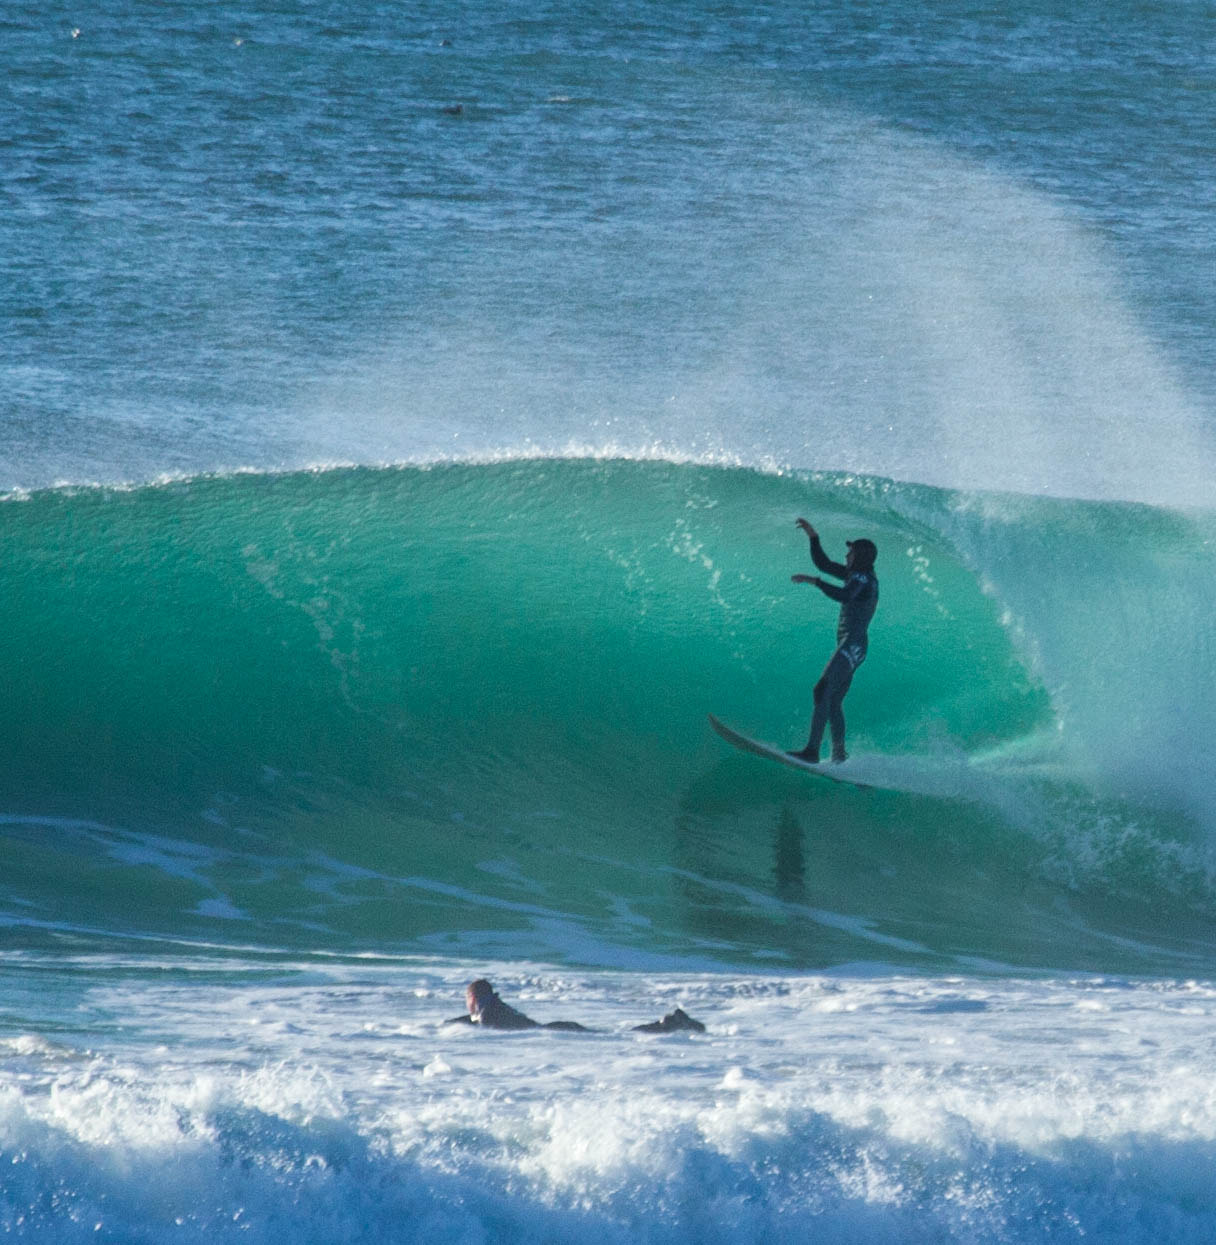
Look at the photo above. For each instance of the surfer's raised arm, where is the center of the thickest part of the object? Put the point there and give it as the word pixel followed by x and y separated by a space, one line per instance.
pixel 821 559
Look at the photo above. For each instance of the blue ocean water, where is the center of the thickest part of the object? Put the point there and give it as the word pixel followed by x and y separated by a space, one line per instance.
pixel 404 414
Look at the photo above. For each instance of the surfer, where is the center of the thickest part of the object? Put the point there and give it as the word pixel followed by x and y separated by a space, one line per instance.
pixel 858 597
pixel 489 1011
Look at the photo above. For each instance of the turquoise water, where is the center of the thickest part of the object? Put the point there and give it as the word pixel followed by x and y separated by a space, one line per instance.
pixel 494 679
pixel 404 412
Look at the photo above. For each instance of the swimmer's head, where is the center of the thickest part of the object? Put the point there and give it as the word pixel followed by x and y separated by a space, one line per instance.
pixel 478 994
pixel 862 554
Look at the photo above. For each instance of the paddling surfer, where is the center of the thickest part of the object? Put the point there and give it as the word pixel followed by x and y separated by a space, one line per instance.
pixel 489 1011
pixel 485 1008
pixel 858 597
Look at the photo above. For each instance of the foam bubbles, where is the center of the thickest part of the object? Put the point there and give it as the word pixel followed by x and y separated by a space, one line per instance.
pixel 927 1109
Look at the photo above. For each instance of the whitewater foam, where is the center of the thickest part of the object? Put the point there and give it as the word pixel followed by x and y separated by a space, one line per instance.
pixel 888 1107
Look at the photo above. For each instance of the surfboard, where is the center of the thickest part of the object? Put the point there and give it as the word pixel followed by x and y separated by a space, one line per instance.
pixel 746 744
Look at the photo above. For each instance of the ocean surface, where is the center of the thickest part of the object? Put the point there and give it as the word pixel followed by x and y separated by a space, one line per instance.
pixel 404 412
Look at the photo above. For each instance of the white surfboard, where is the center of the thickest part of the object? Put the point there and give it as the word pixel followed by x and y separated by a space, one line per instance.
pixel 836 773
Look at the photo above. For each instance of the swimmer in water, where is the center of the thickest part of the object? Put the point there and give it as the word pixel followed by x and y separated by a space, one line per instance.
pixel 485 1008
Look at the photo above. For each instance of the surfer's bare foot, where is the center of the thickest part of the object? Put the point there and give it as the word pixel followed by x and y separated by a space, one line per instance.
pixel 805 754
pixel 838 758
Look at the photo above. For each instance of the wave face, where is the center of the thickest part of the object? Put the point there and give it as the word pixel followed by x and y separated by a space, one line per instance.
pixel 461 709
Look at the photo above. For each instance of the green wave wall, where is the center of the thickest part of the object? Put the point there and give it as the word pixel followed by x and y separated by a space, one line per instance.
pixel 464 707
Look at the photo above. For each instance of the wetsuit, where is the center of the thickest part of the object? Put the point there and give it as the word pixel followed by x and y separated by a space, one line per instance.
pixel 495 1014
pixel 858 597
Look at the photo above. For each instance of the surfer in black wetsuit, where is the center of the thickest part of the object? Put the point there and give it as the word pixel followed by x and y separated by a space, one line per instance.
pixel 489 1011
pixel 858 597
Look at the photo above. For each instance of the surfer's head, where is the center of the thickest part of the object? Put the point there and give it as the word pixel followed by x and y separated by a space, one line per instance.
pixel 862 554
pixel 478 995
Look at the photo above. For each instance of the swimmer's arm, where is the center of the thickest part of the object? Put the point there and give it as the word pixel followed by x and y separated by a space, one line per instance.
pixel 466 1019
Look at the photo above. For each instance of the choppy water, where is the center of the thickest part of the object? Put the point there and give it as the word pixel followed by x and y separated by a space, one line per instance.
pixel 404 414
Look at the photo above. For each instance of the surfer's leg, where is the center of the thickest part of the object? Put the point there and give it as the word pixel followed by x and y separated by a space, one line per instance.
pixel 819 719
pixel 842 665
pixel 823 708
pixel 836 717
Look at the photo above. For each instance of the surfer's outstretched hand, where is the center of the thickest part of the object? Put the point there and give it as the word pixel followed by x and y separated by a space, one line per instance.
pixel 806 527
pixel 805 579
